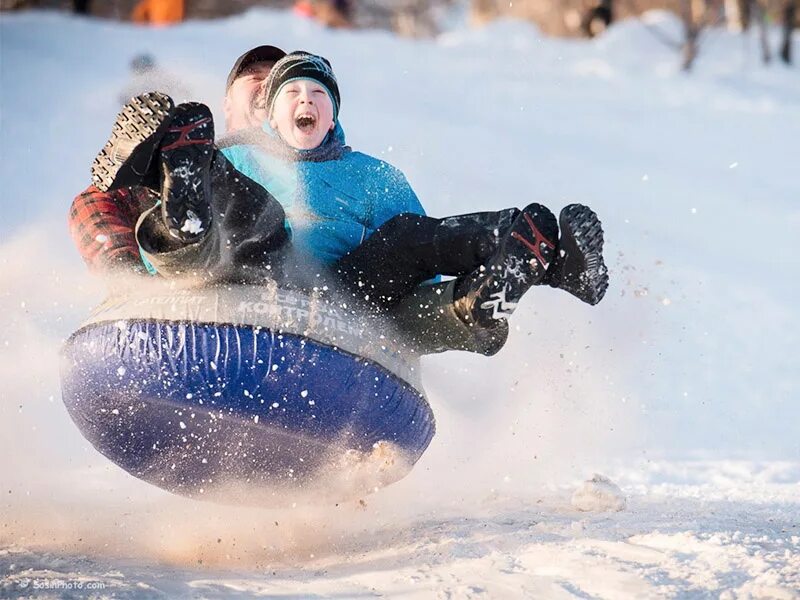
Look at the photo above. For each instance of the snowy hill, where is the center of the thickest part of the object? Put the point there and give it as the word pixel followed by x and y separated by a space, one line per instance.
pixel 682 386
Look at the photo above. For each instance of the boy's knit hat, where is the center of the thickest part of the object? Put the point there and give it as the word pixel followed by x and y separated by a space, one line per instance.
pixel 302 65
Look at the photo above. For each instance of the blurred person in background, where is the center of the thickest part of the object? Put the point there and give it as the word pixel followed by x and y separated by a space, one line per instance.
pixel 330 13
pixel 158 12
pixel 81 7
pixel 146 75
pixel 597 19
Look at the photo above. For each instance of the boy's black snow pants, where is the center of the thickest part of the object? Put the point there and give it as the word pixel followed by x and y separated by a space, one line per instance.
pixel 410 249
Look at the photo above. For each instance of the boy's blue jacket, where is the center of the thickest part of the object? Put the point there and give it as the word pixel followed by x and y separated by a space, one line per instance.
pixel 334 198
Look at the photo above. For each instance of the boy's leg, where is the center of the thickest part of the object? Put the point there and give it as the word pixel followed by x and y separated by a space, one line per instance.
pixel 410 249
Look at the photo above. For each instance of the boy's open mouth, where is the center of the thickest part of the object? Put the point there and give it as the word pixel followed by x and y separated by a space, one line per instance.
pixel 305 123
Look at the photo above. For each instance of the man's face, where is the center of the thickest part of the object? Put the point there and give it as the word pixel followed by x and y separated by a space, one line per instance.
pixel 244 102
pixel 302 113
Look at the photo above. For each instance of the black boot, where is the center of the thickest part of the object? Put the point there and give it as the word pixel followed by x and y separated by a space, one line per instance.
pixel 578 267
pixel 127 159
pixel 491 292
pixel 186 152
pixel 246 239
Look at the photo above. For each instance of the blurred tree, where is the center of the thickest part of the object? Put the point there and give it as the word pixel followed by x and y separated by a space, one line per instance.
pixel 697 15
pixel 791 12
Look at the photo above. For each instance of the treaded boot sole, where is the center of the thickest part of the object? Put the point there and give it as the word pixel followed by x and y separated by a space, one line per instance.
pixel 126 159
pixel 579 267
pixel 187 149
pixel 521 261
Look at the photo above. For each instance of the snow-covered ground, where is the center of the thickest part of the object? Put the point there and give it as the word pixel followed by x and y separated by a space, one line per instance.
pixel 681 387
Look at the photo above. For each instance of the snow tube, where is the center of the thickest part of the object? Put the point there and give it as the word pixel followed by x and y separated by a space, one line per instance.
pixel 193 390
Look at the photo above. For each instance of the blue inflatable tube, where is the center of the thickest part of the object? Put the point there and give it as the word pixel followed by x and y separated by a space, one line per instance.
pixel 193 391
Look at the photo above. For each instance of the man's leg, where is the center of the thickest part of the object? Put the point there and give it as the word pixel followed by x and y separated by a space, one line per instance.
pixel 212 222
pixel 244 241
pixel 427 322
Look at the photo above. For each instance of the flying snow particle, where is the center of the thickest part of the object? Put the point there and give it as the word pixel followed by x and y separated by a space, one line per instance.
pixel 192 224
pixel 182 425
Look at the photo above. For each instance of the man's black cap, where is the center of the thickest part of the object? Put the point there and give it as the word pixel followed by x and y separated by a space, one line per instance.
pixel 256 55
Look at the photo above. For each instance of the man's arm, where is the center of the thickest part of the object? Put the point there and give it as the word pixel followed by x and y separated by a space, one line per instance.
pixel 102 227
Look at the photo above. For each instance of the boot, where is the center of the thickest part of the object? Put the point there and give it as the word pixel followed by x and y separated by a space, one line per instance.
pixel 578 267
pixel 127 159
pixel 186 151
pixel 491 292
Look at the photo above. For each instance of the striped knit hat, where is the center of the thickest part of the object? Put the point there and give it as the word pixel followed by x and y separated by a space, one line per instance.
pixel 302 65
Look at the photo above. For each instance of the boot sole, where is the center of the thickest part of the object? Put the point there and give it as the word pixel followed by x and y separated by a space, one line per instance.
pixel 126 159
pixel 582 232
pixel 186 154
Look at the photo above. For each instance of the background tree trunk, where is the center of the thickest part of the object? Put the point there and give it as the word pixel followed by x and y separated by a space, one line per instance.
pixel 789 21
pixel 691 33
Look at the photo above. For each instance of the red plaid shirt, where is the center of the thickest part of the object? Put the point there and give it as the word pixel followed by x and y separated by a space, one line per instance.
pixel 102 226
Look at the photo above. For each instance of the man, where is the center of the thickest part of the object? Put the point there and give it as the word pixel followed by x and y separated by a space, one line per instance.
pixel 102 223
